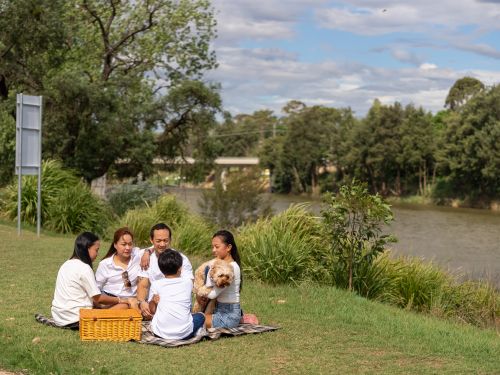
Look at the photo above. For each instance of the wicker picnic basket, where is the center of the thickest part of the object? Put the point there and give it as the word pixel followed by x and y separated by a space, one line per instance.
pixel 110 325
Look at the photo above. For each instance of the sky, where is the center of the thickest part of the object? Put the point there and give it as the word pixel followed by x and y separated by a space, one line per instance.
pixel 348 53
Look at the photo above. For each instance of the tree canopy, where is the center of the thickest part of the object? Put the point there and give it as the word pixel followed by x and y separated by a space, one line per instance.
pixel 104 69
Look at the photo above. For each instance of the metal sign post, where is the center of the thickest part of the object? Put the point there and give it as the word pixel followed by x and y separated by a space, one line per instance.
pixel 28 148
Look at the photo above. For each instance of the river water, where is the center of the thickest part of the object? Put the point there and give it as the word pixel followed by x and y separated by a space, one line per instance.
pixel 466 241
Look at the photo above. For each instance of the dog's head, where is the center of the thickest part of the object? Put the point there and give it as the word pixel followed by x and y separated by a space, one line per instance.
pixel 222 273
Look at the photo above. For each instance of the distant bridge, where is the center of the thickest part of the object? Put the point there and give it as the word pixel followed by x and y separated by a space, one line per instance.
pixel 227 161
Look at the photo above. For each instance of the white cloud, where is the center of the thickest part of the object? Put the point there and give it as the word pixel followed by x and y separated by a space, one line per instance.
pixel 382 17
pixel 267 78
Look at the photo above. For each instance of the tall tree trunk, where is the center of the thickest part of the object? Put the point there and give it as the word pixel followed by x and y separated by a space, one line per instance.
pixel 425 177
pixel 314 181
pixel 420 188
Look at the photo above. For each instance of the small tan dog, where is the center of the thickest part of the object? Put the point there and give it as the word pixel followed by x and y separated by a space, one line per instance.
pixel 221 275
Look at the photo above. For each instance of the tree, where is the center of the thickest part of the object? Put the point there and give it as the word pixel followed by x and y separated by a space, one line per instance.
pixel 471 154
pixel 103 68
pixel 306 144
pixel 374 146
pixel 354 220
pixel 7 145
pixel 241 201
pixel 462 91
pixel 244 134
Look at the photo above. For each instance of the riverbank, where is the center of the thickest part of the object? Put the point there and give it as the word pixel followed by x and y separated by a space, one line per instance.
pixel 321 328
pixel 493 206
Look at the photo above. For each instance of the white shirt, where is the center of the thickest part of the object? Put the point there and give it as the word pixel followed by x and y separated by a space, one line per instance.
pixel 109 276
pixel 173 319
pixel 229 294
pixel 75 287
pixel 153 273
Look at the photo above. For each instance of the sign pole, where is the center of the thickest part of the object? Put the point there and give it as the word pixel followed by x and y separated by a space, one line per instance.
pixel 20 166
pixel 39 203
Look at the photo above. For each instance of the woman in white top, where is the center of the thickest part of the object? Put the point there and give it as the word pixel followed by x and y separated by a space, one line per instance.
pixel 227 314
pixel 118 270
pixel 76 287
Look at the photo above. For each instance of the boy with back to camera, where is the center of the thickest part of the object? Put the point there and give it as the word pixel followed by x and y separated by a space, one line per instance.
pixel 170 301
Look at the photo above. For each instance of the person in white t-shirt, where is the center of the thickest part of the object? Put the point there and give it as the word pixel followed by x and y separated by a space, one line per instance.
pixel 117 272
pixel 170 301
pixel 227 313
pixel 160 236
pixel 76 287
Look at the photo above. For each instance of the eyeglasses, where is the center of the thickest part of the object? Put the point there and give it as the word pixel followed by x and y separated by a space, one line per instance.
pixel 126 280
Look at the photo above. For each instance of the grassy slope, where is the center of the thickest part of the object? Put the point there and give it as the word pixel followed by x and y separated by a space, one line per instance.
pixel 324 330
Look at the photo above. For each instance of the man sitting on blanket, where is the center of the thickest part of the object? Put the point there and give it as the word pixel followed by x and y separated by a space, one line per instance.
pixel 170 301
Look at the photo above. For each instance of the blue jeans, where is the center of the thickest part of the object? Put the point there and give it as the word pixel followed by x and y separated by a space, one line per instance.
pixel 226 315
pixel 198 320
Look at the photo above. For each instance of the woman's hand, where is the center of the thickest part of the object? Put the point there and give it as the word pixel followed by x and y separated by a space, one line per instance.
pixel 145 260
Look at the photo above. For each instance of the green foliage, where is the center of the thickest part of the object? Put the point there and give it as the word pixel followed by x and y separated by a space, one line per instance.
pixel 127 196
pixel 193 235
pixel 286 248
pixel 189 233
pixel 241 201
pixel 67 204
pixel 75 209
pixel 471 152
pixel 421 286
pixel 103 69
pixel 354 221
pixel 7 146
pixel 54 180
pixel 462 91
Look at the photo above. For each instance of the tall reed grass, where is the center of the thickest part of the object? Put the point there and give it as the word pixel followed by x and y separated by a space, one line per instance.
pixel 67 204
pixel 54 180
pixel 284 248
pixel 189 232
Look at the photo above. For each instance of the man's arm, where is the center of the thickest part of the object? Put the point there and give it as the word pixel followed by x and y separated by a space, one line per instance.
pixel 142 294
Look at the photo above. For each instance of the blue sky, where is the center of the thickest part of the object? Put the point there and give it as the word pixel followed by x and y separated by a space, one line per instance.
pixel 347 53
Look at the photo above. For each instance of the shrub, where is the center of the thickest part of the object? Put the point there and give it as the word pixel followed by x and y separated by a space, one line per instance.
pixel 128 196
pixel 190 233
pixel 285 248
pixel 54 180
pixel 241 201
pixel 193 236
pixel 76 209
pixel 420 284
pixel 417 285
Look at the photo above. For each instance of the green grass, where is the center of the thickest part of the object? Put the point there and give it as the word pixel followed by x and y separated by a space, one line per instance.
pixel 323 331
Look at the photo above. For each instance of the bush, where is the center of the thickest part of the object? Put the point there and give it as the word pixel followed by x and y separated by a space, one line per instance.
pixel 128 196
pixel 54 180
pixel 190 233
pixel 420 284
pixel 285 248
pixel 414 284
pixel 193 236
pixel 242 201
pixel 76 210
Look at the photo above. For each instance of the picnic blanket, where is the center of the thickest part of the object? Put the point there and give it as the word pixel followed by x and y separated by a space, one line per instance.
pixel 50 322
pixel 211 334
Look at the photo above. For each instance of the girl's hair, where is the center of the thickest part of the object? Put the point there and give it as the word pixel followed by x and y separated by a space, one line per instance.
pixel 119 233
pixel 228 238
pixel 82 244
